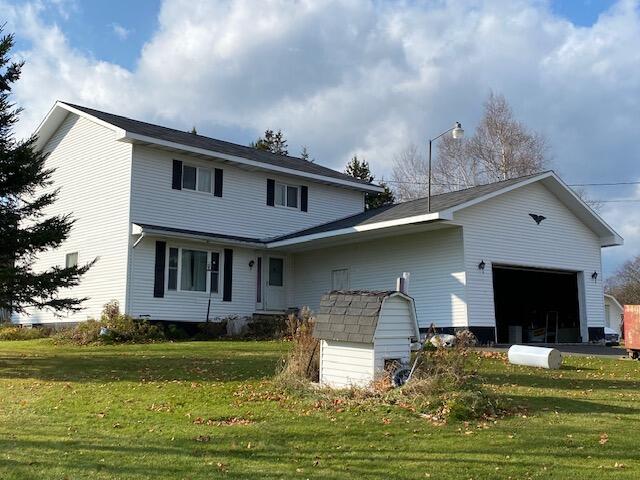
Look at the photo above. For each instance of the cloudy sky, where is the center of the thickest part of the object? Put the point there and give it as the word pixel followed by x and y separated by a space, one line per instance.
pixel 345 77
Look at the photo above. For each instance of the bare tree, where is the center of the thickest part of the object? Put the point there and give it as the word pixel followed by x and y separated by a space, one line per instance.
pixel 625 284
pixel 500 148
pixel 410 174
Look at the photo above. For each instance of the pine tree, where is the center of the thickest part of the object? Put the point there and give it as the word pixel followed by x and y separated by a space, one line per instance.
pixel 305 155
pixel 194 131
pixel 25 191
pixel 360 169
pixel 273 142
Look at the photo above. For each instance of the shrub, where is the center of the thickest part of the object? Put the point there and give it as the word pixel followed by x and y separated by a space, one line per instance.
pixel 113 327
pixel 18 332
pixel 442 386
pixel 303 362
pixel 212 330
pixel 266 328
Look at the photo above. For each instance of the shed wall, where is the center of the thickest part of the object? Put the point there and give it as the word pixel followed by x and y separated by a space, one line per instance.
pixel 344 364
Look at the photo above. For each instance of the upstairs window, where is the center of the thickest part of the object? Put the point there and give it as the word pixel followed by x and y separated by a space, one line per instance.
pixel 196 178
pixel 71 260
pixel 286 195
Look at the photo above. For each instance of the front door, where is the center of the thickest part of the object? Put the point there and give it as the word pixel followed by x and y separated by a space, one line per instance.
pixel 274 291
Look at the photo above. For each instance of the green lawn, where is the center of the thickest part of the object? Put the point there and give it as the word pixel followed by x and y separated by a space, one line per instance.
pixel 142 411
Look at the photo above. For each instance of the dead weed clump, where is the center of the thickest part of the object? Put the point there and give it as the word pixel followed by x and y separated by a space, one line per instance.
pixel 302 364
pixel 443 385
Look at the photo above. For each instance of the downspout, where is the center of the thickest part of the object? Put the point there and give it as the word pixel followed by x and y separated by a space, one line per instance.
pixel 138 240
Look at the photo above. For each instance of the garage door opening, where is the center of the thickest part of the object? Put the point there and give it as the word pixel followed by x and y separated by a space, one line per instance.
pixel 536 306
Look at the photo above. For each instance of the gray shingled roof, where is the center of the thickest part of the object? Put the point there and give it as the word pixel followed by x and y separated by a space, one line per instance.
pixel 410 208
pixel 207 143
pixel 349 316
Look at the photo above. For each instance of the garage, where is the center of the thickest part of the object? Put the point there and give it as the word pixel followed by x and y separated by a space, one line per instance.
pixel 535 305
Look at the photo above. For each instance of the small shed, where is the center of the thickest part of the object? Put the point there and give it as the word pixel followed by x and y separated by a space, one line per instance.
pixel 362 331
pixel 613 314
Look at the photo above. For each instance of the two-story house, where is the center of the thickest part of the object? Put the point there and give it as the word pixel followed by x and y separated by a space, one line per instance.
pixel 176 219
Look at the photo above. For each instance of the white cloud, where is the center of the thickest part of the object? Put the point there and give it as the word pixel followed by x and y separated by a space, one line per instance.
pixel 348 76
pixel 119 31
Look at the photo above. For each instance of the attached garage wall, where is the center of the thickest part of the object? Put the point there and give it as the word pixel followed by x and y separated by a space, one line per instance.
pixel 500 230
pixel 433 258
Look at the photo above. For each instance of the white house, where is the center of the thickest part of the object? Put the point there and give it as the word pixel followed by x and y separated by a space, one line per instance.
pixel 363 332
pixel 613 314
pixel 175 218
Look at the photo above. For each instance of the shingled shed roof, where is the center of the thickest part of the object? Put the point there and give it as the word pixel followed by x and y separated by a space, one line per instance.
pixel 349 316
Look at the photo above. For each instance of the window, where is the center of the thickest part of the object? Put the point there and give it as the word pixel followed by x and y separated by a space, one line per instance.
pixel 71 260
pixel 196 178
pixel 194 271
pixel 276 272
pixel 173 269
pixel 204 180
pixel 215 271
pixel 286 195
pixel 189 177
pixel 340 279
pixel 190 270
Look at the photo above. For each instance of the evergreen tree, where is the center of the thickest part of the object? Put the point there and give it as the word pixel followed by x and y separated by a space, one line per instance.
pixel 305 155
pixel 25 191
pixel 360 169
pixel 194 131
pixel 273 142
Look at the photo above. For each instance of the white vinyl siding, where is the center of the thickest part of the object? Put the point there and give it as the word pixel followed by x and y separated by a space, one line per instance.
pixel 92 171
pixel 242 211
pixel 500 231
pixel 394 332
pixel 345 364
pixel 191 306
pixel 392 348
pixel 434 259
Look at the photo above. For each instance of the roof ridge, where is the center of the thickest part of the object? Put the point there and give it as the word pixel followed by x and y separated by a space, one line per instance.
pixel 274 157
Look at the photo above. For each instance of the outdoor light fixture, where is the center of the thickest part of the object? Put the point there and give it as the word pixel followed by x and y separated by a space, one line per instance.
pixel 594 275
pixel 481 265
pixel 456 132
pixel 251 263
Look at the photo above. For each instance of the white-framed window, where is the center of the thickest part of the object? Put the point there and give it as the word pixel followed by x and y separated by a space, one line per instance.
pixel 340 279
pixel 71 259
pixel 192 270
pixel 287 195
pixel 196 178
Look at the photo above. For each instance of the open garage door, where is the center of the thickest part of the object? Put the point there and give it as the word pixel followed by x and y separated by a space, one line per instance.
pixel 536 306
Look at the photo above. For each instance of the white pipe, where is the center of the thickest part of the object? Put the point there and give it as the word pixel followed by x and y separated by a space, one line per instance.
pixel 535 356
pixel 138 240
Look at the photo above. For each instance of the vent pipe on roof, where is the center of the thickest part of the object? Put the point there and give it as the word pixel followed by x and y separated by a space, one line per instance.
pixel 402 283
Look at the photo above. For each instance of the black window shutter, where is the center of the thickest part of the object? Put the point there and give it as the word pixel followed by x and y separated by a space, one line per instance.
pixel 228 275
pixel 271 192
pixel 217 182
pixel 304 198
pixel 158 279
pixel 176 182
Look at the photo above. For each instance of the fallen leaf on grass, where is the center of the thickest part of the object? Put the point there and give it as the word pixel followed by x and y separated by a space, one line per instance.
pixel 604 438
pixel 202 438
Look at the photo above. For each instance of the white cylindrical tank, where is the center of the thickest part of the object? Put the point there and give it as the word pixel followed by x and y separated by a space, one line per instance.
pixel 535 356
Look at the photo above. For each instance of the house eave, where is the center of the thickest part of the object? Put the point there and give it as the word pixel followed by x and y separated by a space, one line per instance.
pixel 143 139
